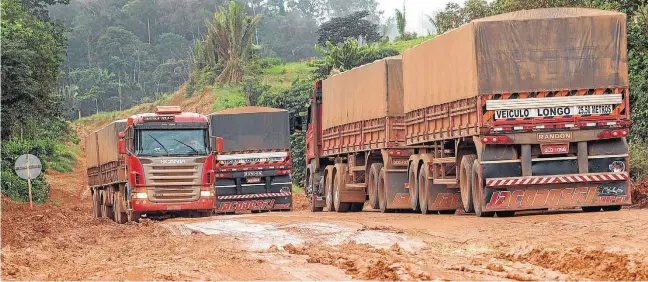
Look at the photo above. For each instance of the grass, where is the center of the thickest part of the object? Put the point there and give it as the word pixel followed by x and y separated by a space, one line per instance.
pixel 283 75
pixel 296 189
pixel 65 157
pixel 401 46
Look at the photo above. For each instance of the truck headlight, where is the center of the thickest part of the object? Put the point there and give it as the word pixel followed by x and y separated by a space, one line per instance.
pixel 141 195
pixel 206 193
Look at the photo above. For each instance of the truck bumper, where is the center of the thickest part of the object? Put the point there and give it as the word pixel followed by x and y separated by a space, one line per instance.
pixel 144 205
pixel 254 202
pixel 557 191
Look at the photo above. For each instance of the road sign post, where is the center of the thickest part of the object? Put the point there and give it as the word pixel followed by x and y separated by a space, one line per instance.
pixel 28 167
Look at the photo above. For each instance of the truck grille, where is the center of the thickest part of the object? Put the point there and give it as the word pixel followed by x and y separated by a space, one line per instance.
pixel 170 194
pixel 167 184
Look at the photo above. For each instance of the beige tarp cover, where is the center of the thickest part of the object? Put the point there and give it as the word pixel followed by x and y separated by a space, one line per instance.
pixel 371 91
pixel 91 150
pixel 531 50
pixel 108 137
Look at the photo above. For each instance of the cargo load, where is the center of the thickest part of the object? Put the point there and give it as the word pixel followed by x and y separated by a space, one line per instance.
pixel 525 51
pixel 367 92
pixel 101 145
pixel 251 128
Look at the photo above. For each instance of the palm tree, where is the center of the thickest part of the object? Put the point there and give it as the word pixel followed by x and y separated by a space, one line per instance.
pixel 230 35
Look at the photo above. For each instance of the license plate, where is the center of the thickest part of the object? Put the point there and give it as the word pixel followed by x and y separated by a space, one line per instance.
pixel 553 111
pixel 400 162
pixel 174 208
pixel 253 179
pixel 555 149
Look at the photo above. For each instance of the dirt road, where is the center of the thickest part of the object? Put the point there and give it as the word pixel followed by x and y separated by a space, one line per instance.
pixel 60 240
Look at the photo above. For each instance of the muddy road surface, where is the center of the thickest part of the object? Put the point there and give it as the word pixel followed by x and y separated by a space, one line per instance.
pixel 60 241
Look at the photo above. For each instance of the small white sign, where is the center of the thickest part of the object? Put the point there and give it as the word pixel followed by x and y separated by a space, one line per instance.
pixel 554 111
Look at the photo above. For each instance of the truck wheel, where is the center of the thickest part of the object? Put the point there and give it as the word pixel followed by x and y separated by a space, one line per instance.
pixel 96 204
pixel 611 208
pixel 477 191
pixel 465 183
pixel 505 213
pixel 206 213
pixel 382 192
pixel 338 181
pixel 372 185
pixel 311 181
pixel 591 209
pixel 328 187
pixel 413 187
pixel 424 189
pixel 118 206
pixel 356 207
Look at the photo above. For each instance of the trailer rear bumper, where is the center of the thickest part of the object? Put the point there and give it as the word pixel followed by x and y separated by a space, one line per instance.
pixel 254 202
pixel 556 195
pixel 202 204
pixel 556 179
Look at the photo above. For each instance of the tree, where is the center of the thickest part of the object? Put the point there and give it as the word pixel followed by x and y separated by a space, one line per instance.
pixel 351 27
pixel 447 19
pixel 233 32
pixel 347 56
pixel 401 21
pixel 32 51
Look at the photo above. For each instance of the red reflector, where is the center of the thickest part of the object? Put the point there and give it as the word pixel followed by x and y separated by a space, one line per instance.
pixel 499 139
pixel 617 133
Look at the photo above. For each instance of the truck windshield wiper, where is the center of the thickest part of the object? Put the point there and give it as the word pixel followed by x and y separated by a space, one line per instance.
pixel 192 148
pixel 158 141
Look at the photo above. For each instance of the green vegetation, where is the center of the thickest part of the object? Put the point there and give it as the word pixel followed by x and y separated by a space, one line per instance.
pixel 33 48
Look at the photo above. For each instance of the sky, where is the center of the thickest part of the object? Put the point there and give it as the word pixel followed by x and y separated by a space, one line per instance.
pixel 416 11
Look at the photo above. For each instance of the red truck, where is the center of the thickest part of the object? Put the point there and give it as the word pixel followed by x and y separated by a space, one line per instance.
pixel 151 163
pixel 521 111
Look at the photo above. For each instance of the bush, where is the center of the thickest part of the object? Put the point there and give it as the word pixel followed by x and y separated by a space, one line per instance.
pixel 230 100
pixel 268 62
pixel 297 145
pixel 638 161
pixel 16 188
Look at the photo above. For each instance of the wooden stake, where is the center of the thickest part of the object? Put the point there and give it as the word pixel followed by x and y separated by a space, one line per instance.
pixel 31 205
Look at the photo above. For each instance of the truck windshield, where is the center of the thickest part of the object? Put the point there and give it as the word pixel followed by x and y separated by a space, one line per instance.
pixel 177 142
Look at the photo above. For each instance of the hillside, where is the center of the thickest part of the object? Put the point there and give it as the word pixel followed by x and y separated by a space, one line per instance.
pixel 218 96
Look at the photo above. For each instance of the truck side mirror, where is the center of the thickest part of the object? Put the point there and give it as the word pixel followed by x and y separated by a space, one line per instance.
pixel 220 145
pixel 298 124
pixel 121 143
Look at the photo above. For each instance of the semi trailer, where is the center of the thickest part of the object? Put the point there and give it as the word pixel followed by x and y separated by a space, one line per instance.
pixel 521 111
pixel 152 163
pixel 252 159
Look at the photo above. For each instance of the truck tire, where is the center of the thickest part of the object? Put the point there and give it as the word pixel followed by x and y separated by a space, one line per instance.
pixel 382 192
pixel 424 189
pixel 476 191
pixel 611 208
pixel 356 207
pixel 465 182
pixel 328 187
pixel 338 182
pixel 413 186
pixel 96 204
pixel 118 206
pixel 311 181
pixel 372 185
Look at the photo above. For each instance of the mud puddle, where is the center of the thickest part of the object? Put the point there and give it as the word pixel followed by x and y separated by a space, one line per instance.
pixel 256 236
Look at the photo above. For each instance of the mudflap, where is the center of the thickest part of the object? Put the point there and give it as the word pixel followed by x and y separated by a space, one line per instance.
pixel 556 196
pixel 443 198
pixel 397 195
pixel 318 201
pixel 253 204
